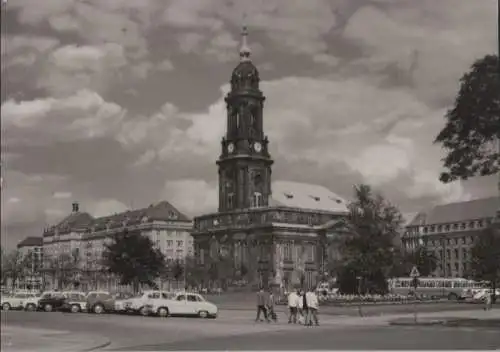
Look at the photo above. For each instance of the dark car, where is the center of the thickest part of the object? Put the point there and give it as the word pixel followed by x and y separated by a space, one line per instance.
pixel 100 302
pixel 51 301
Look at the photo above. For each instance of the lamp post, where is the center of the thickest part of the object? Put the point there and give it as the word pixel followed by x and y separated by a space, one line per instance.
pixel 358 281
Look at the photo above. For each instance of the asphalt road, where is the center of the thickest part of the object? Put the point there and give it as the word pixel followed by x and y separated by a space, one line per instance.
pixel 236 330
pixel 366 338
pixel 375 310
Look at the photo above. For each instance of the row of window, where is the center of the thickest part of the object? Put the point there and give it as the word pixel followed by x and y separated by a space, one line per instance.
pixel 255 202
pixel 470 225
pixel 456 254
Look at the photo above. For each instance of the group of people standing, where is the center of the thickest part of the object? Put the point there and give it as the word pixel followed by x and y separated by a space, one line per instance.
pixel 302 307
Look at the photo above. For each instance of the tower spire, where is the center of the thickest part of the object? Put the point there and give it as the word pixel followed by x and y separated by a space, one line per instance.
pixel 244 50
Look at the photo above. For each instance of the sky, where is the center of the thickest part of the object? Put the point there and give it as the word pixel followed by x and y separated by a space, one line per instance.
pixel 118 104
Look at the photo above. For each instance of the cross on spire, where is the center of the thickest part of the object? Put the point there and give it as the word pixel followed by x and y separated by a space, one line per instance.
pixel 244 50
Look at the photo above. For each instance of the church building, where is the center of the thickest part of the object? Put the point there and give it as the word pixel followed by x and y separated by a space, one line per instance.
pixel 275 232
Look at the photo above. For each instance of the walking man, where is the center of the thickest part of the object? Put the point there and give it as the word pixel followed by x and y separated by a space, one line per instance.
pixel 303 306
pixel 293 301
pixel 262 300
pixel 271 313
pixel 312 308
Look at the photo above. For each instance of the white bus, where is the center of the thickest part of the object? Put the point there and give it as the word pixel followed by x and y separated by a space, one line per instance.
pixel 451 288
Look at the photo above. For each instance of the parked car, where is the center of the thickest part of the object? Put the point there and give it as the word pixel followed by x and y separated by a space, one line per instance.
pixel 142 303
pixel 99 302
pixel 75 302
pixel 51 301
pixel 31 302
pixel 17 301
pixel 185 304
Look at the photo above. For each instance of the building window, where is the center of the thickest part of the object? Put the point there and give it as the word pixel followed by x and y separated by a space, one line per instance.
pixel 455 226
pixel 447 228
pixel 170 243
pixel 180 243
pixel 439 228
pixel 287 251
pixel 230 200
pixel 256 200
pixel 471 224
pixel 480 223
pixel 456 254
pixel 448 254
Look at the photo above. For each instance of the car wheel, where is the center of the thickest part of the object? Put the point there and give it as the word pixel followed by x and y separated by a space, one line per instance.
pixel 162 312
pixel 75 308
pixel 452 297
pixel 48 308
pixel 143 311
pixel 98 309
pixel 203 314
pixel 5 306
pixel 30 307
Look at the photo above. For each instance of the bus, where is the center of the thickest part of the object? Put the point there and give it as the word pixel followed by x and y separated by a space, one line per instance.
pixel 438 287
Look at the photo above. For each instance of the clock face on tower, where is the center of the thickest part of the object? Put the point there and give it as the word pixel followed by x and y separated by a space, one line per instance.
pixel 230 147
pixel 257 147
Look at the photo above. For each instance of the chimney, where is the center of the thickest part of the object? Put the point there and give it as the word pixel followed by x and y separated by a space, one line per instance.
pixel 76 207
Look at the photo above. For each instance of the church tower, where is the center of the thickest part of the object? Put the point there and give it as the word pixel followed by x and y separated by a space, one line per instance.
pixel 244 163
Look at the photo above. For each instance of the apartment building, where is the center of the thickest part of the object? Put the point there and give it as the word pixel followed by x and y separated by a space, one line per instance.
pixel 79 240
pixel 449 230
pixel 31 250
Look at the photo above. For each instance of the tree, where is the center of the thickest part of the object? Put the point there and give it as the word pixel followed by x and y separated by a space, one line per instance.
pixel 14 266
pixel 425 261
pixel 64 268
pixel 368 250
pixel 133 258
pixel 473 124
pixel 485 257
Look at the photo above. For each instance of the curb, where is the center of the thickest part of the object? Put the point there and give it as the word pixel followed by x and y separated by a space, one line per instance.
pixel 98 347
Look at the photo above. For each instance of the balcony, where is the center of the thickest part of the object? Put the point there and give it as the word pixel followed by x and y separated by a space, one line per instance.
pixel 260 217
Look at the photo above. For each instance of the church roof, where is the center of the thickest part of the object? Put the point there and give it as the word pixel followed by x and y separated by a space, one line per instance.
pixel 306 196
pixel 161 211
pixel 31 241
pixel 460 211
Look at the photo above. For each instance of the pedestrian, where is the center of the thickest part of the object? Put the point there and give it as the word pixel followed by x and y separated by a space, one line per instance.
pixel 488 300
pixel 293 301
pixel 271 313
pixel 300 307
pixel 312 308
pixel 262 301
pixel 305 306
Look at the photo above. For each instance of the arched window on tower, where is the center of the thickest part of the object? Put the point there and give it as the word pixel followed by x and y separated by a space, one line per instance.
pixel 230 201
pixel 257 200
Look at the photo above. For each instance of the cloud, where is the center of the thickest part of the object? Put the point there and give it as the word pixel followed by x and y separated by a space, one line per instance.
pixel 13 200
pixel 62 195
pixel 84 115
pixel 356 137
pixel 105 207
pixel 72 68
pixel 192 196
pixel 165 65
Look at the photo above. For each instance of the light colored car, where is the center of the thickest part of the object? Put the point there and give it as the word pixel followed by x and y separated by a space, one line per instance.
pixel 31 302
pixel 76 301
pixel 18 301
pixel 99 302
pixel 480 295
pixel 185 304
pixel 142 303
